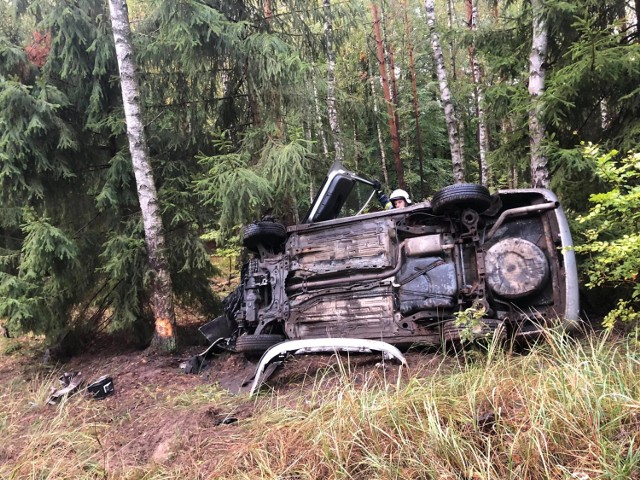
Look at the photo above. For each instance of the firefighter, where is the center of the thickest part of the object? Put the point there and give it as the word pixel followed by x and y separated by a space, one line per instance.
pixel 399 198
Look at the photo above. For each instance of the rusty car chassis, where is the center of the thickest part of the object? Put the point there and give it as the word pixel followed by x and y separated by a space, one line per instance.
pixel 402 276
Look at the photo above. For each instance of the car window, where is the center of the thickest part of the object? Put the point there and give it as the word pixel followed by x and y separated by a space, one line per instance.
pixel 357 201
pixel 343 194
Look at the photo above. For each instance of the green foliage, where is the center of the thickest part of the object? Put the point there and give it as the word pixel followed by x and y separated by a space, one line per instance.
pixel 33 137
pixel 12 347
pixel 470 320
pixel 38 293
pixel 592 77
pixel 610 239
pixel 126 274
pixel 210 66
pixel 286 164
pixel 72 252
pixel 235 190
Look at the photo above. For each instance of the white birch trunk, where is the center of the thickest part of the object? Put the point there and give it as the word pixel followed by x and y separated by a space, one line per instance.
pixel 309 138
pixel 604 114
pixel 539 169
pixel 483 137
pixel 383 155
pixel 452 45
pixel 461 145
pixel 445 94
pixel 162 290
pixel 331 82
pixel 507 130
pixel 319 127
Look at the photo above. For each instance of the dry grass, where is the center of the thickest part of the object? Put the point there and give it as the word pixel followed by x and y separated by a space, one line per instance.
pixel 567 410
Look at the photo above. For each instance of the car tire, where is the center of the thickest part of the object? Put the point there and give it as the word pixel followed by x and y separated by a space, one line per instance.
pixel 270 235
pixel 256 345
pixel 489 329
pixel 451 340
pixel 460 196
pixel 516 268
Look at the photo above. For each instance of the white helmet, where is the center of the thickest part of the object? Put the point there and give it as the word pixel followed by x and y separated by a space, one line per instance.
pixel 399 193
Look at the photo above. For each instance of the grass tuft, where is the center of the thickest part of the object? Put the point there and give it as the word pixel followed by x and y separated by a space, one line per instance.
pixel 569 409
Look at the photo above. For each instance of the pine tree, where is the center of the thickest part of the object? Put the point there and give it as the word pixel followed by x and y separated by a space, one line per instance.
pixel 68 184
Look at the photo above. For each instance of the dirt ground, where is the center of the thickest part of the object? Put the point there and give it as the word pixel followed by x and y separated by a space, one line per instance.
pixel 157 412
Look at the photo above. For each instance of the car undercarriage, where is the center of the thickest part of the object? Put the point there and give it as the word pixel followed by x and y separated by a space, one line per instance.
pixel 405 276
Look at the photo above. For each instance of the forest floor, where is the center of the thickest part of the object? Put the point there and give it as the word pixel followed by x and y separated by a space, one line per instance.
pixel 568 409
pixel 481 415
pixel 158 414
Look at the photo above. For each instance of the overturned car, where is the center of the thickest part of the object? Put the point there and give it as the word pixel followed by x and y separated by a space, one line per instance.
pixel 403 275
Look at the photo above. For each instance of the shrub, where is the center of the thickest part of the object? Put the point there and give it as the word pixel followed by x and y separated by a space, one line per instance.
pixel 610 243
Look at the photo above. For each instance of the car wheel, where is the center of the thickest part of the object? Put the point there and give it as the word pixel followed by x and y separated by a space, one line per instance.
pixel 516 268
pixel 492 330
pixel 451 337
pixel 483 334
pixel 460 196
pixel 256 345
pixel 271 235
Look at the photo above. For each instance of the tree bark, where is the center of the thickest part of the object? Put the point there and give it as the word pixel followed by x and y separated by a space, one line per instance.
pixel 483 137
pixel 395 138
pixel 391 71
pixel 452 41
pixel 383 154
pixel 164 338
pixel 539 169
pixel 319 126
pixel 445 95
pixel 414 91
pixel 331 82
pixel 637 18
pixel 506 133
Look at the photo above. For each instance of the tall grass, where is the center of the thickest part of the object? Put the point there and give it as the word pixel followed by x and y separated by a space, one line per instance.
pixel 569 409
pixel 42 441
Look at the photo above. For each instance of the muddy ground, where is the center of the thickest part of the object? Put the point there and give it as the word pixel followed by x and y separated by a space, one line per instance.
pixel 158 412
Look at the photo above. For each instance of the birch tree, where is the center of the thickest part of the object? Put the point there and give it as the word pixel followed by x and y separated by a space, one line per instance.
pixel 483 136
pixel 383 155
pixel 331 82
pixel 445 94
pixel 318 118
pixel 164 338
pixel 414 92
pixel 537 57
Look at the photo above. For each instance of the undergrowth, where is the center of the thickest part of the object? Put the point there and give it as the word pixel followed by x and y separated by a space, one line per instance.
pixel 569 409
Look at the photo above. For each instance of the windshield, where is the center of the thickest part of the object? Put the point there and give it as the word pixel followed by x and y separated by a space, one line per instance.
pixel 358 200
pixel 343 194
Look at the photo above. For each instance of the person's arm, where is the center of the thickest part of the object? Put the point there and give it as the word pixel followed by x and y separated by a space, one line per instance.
pixel 382 198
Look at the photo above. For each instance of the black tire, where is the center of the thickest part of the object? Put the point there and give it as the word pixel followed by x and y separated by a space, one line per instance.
pixel 253 345
pixel 451 340
pixel 270 235
pixel 488 328
pixel 460 196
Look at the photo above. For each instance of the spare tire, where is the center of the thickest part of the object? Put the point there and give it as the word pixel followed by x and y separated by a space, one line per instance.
pixel 271 235
pixel 460 196
pixel 252 345
pixel 516 268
